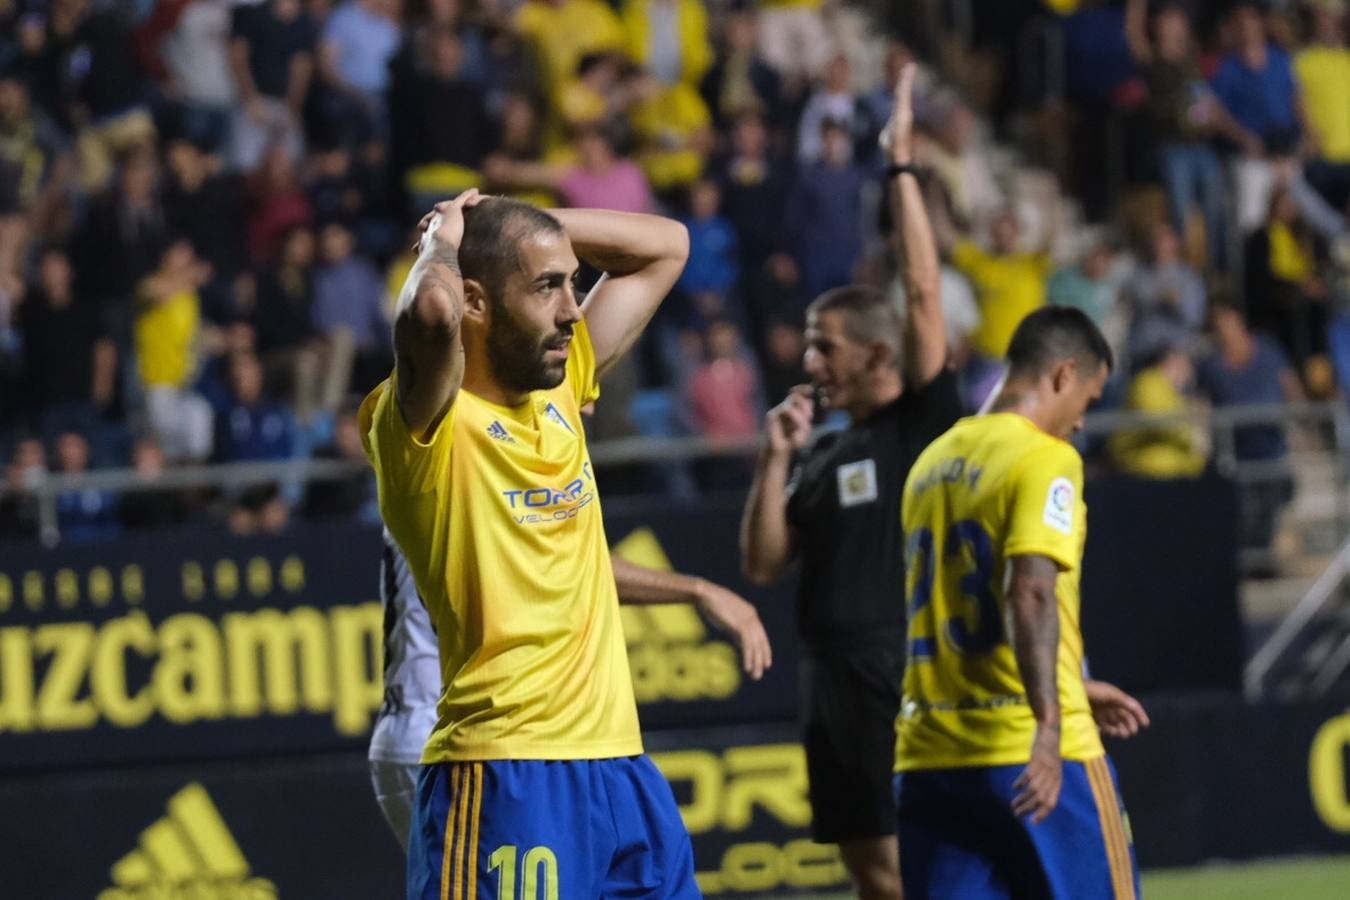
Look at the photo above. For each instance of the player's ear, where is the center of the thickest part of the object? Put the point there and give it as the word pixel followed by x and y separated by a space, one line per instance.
pixel 1062 376
pixel 475 301
pixel 880 356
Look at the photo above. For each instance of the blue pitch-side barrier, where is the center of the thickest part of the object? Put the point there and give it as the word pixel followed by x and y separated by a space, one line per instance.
pixel 197 704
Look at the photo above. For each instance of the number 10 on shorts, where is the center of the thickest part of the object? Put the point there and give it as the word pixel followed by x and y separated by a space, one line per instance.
pixel 503 861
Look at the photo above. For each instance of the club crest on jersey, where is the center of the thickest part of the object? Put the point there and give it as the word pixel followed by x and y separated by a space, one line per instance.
pixel 1059 505
pixel 553 415
pixel 857 483
pixel 497 431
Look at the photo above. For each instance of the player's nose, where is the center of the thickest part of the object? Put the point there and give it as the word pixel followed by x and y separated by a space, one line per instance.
pixel 570 311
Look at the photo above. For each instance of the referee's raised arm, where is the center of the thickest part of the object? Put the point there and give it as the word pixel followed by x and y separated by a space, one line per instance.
pixel 925 338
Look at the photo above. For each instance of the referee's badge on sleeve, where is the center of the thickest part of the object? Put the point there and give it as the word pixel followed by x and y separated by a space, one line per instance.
pixel 1059 505
pixel 857 483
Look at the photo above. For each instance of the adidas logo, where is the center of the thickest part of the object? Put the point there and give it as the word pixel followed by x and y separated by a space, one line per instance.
pixel 187 855
pixel 498 431
pixel 551 413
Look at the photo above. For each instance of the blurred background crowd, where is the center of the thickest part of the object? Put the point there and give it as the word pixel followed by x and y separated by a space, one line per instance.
pixel 206 210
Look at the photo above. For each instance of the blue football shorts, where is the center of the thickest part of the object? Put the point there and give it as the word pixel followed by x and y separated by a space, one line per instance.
pixel 960 839
pixel 545 830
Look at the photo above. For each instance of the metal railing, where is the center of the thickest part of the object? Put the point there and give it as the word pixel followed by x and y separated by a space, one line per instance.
pixel 1222 424
pixel 1307 621
pixel 1326 588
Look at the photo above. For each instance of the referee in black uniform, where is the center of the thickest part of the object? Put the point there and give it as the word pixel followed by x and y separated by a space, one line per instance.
pixel 835 505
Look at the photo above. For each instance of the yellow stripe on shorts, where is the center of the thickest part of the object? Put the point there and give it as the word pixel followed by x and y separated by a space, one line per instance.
pixel 466 789
pixel 449 845
pixel 1113 828
pixel 473 829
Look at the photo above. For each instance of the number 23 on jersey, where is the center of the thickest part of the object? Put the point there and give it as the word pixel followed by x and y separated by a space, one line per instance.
pixel 967 617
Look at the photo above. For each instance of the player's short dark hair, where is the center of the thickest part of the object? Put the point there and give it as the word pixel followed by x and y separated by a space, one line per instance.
pixel 1053 334
pixel 493 232
pixel 869 315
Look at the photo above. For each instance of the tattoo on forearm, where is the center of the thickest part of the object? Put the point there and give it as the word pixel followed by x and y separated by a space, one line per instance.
pixel 439 271
pixel 446 256
pixel 1035 616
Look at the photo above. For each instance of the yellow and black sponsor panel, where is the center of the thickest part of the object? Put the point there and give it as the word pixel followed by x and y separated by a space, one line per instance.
pixel 184 716
pixel 742 794
pixel 198 645
pixel 188 646
pixel 1215 778
pixel 204 646
pixel 307 826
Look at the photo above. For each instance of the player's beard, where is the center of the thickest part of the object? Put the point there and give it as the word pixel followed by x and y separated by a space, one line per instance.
pixel 517 357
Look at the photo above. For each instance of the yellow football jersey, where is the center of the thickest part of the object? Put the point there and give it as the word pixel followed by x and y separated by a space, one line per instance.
pixel 991 488
pixel 499 517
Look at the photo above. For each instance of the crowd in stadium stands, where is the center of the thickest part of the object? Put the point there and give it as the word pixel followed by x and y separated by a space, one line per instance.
pixel 205 211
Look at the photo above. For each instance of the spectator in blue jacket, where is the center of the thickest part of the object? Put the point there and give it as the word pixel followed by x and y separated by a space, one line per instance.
pixel 255 428
pixel 709 278
pixel 824 213
pixel 89 514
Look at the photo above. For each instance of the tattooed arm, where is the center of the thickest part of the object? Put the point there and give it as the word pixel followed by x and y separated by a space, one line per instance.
pixel 428 356
pixel 641 256
pixel 1033 628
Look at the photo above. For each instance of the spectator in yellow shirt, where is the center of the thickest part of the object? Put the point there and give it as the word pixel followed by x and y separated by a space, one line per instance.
pixel 668 39
pixel 1165 450
pixel 559 34
pixel 166 334
pixel 1323 72
pixel 1009 283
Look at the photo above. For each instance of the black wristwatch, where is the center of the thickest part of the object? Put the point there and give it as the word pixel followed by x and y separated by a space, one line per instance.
pixel 896 169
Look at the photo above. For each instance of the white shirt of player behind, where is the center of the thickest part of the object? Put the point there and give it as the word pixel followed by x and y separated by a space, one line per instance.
pixel 412 685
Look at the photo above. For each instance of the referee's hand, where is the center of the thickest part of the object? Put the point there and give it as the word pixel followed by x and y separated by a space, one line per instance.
pixel 788 425
pixel 1038 785
pixel 897 137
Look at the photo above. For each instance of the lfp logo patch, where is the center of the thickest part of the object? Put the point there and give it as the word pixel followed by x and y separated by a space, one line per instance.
pixel 1059 505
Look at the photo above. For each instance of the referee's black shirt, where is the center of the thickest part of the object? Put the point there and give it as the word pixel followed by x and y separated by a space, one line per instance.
pixel 844 505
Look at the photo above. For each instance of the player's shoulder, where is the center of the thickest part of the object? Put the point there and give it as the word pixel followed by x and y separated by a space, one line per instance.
pixel 365 416
pixel 1011 439
pixel 1039 452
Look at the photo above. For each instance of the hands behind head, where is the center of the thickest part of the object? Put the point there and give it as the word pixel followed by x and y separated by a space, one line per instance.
pixel 444 225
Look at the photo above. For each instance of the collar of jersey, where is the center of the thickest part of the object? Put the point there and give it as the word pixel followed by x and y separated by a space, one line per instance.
pixel 522 414
pixel 1024 421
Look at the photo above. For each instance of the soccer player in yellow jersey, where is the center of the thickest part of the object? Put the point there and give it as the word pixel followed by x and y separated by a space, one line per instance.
pixel 1003 787
pixel 533 782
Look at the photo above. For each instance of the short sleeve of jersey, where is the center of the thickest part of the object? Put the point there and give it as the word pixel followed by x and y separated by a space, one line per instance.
pixel 581 366
pixel 404 462
pixel 1043 518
